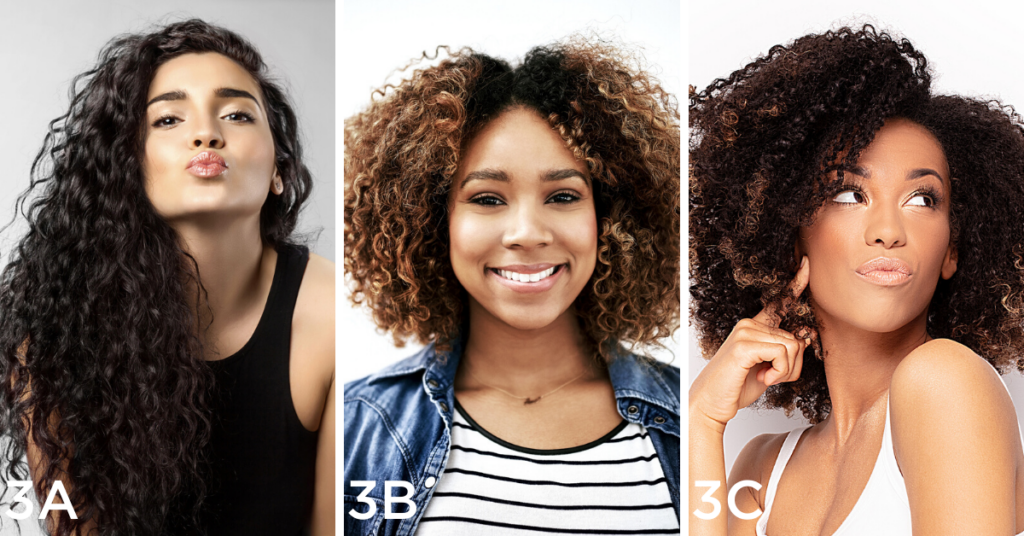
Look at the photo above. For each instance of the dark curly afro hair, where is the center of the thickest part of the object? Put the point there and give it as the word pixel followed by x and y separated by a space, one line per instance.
pixel 763 143
pixel 403 150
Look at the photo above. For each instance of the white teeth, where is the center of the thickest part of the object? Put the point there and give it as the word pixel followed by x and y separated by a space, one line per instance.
pixel 527 278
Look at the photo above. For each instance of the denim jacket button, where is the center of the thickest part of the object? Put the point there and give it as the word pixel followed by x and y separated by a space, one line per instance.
pixel 444 408
pixel 632 410
pixel 659 419
pixel 432 384
pixel 430 481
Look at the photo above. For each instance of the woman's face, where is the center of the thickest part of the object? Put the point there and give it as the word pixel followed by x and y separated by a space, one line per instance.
pixel 209 149
pixel 878 249
pixel 522 222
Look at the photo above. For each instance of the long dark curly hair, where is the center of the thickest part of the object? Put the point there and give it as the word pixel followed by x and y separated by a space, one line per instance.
pixel 100 304
pixel 763 142
pixel 402 152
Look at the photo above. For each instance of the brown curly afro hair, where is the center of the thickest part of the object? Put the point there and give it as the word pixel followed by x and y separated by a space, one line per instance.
pixel 403 150
pixel 763 142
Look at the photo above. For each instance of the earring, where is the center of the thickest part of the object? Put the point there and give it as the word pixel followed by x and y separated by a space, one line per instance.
pixel 278 186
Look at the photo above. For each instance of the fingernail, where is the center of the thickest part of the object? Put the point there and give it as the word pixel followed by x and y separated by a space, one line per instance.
pixel 803 261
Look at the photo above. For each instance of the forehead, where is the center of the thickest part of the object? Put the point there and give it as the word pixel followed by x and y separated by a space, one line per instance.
pixel 201 73
pixel 519 140
pixel 903 144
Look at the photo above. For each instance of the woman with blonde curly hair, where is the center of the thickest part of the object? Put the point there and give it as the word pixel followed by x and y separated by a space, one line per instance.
pixel 523 223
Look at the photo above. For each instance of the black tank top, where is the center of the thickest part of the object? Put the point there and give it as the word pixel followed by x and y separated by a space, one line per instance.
pixel 262 457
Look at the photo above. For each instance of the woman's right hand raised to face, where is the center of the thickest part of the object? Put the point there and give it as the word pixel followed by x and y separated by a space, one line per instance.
pixel 756 354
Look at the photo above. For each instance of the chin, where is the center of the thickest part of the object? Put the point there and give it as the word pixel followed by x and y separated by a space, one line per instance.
pixel 527 319
pixel 205 208
pixel 878 318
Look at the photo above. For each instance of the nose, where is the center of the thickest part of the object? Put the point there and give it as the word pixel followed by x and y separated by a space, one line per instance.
pixel 207 134
pixel 526 229
pixel 885 227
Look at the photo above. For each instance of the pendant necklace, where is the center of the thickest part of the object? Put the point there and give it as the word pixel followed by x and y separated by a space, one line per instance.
pixel 526 400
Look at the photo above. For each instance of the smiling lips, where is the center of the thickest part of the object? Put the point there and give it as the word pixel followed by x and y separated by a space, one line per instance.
pixel 206 164
pixel 885 271
pixel 528 278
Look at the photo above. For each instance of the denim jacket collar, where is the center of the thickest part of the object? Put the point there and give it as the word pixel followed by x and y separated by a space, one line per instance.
pixel 642 395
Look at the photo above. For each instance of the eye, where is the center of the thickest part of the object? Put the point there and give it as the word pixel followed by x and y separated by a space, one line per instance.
pixel 849 197
pixel 239 117
pixel 922 199
pixel 166 121
pixel 487 200
pixel 564 198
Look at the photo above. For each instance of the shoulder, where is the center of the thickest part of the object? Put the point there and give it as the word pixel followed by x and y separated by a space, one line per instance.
pixel 390 423
pixel 756 461
pixel 317 285
pixel 313 318
pixel 943 372
pixel 646 378
pixel 392 384
pixel 943 393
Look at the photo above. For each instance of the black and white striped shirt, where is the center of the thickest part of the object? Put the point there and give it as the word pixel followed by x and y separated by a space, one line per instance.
pixel 614 485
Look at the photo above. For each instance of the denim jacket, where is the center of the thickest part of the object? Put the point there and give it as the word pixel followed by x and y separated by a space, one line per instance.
pixel 398 427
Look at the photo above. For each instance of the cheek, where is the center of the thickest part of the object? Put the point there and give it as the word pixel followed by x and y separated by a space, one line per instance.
pixel 256 155
pixel 582 238
pixel 157 162
pixel 827 245
pixel 468 239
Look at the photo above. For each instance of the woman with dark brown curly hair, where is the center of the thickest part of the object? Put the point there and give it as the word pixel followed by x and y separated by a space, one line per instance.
pixel 856 253
pixel 523 222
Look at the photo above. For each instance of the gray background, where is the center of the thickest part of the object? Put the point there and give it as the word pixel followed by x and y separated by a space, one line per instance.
pixel 973 51
pixel 402 30
pixel 43 45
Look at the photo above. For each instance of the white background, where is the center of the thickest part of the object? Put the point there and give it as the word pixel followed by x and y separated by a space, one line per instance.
pixel 973 48
pixel 43 45
pixel 379 37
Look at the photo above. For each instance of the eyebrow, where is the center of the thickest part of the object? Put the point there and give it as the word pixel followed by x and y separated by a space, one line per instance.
pixel 915 174
pixel 501 176
pixel 222 92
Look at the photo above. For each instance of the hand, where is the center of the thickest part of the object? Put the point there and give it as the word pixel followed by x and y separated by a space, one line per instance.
pixel 755 355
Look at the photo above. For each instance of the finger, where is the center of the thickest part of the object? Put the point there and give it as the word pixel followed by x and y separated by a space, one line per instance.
pixel 755 352
pixel 796 357
pixel 756 330
pixel 798 363
pixel 773 314
pixel 785 369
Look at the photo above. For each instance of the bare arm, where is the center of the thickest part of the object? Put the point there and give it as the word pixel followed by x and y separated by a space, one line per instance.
pixel 313 329
pixel 755 355
pixel 323 493
pixel 955 438
pixel 754 463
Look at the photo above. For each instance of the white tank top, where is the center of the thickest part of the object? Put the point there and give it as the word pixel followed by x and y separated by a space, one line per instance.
pixel 882 508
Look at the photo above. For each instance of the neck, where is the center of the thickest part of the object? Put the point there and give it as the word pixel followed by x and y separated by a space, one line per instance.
pixel 525 362
pixel 859 366
pixel 230 257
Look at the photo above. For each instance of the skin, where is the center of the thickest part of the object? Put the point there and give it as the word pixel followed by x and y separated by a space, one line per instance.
pixel 877 350
pixel 508 208
pixel 218 221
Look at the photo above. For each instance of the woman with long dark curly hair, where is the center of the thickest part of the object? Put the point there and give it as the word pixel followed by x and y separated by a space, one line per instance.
pixel 523 223
pixel 168 352
pixel 856 253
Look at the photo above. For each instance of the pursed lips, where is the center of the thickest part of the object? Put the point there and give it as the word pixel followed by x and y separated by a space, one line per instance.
pixel 206 164
pixel 885 271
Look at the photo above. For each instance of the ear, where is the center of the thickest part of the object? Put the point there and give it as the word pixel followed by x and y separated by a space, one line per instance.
pixel 276 186
pixel 798 250
pixel 949 262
